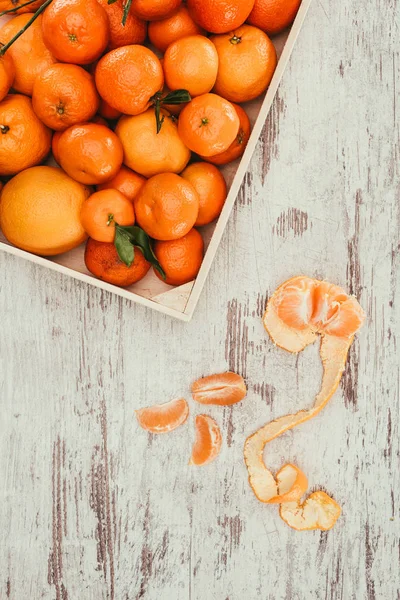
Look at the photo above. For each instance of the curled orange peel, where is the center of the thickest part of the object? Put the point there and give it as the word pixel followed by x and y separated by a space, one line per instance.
pixel 314 308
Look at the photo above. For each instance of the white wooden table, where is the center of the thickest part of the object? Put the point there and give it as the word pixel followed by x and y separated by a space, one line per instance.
pixel 92 507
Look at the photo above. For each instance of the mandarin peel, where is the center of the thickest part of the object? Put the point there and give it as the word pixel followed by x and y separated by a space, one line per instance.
pixel 300 310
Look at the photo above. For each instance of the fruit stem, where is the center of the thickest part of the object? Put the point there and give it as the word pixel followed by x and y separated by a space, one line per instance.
pixel 11 10
pixel 204 121
pixel 4 128
pixel 127 7
pixel 110 219
pixel 235 40
pixel 39 11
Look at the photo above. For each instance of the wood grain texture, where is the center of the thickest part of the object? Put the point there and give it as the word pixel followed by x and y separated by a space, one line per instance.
pixel 93 508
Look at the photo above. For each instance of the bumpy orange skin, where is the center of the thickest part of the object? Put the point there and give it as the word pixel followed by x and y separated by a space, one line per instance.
pixel 126 181
pixel 220 16
pixel 210 186
pixel 12 4
pixel 64 95
pixel 238 146
pixel 153 10
pixel 90 153
pixel 166 207
pixel 24 140
pixel 208 125
pixel 179 25
pixel 181 259
pixel 102 210
pixel 102 261
pixel 127 78
pixel 247 62
pixel 273 16
pixel 29 52
pixel 191 63
pixel 7 74
pixel 148 152
pixel 133 32
pixel 76 31
pixel 40 210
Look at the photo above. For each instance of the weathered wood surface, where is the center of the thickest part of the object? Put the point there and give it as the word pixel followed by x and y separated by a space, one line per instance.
pixel 91 507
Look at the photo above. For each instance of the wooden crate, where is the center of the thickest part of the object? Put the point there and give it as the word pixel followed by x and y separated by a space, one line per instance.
pixel 180 302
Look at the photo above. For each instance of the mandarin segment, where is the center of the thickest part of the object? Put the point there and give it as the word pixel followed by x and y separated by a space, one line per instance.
pixel 222 389
pixel 163 418
pixel 208 442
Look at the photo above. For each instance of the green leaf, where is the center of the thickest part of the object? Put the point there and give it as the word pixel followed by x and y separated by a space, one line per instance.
pixel 125 249
pixel 127 8
pixel 159 118
pixel 111 1
pixel 139 238
pixel 177 97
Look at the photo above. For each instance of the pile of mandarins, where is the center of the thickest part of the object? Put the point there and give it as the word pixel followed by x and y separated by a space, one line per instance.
pixel 138 105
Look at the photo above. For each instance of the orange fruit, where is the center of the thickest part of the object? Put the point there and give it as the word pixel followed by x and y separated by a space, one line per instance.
pixel 148 152
pixel 222 389
pixel 40 211
pixel 126 181
pixel 191 63
pixel 179 25
pixel 208 124
pixel 76 31
pixel 133 32
pixel 24 141
pixel 90 153
pixel 102 260
pixel 210 186
pixel 238 146
pixel 208 441
pixel 247 62
pixel 220 16
pixel 152 10
pixel 29 52
pixel 64 95
pixel 180 259
pixel 7 74
pixel 12 4
pixel 273 16
pixel 108 112
pixel 166 207
pixel 128 77
pixel 54 145
pixel 163 418
pixel 97 119
pixel 102 210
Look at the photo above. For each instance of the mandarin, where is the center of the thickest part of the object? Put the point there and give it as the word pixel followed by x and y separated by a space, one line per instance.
pixel 40 211
pixel 191 63
pixel 238 146
pixel 220 16
pixel 273 16
pixel 24 141
pixel 6 5
pixel 7 74
pixel 180 259
pixel 166 207
pixel 179 25
pixel 126 181
pixel 127 78
pixel 76 31
pixel 102 260
pixel 148 152
pixel 208 124
pixel 153 10
pixel 108 112
pixel 210 186
pixel 102 211
pixel 90 153
pixel 247 62
pixel 64 95
pixel 133 32
pixel 29 52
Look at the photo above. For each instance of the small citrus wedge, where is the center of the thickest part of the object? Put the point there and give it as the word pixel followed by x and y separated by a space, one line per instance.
pixel 163 418
pixel 208 441
pixel 222 389
pixel 318 511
